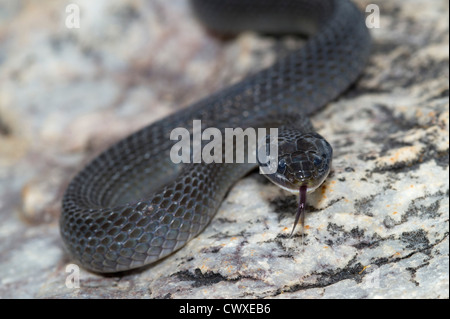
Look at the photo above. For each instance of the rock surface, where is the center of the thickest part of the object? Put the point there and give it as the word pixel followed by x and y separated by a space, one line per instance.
pixel 377 228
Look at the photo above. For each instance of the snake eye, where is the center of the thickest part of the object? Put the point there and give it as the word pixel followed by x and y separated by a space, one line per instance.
pixel 317 161
pixel 281 165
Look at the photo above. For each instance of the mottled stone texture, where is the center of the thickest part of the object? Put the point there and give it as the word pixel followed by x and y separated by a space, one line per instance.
pixel 378 227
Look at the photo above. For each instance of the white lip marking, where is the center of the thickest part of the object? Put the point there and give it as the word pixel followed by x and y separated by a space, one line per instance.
pixel 295 190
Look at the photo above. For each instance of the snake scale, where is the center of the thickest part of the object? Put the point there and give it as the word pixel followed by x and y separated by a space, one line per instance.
pixel 132 205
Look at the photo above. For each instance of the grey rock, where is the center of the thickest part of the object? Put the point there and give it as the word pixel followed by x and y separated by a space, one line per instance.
pixel 377 228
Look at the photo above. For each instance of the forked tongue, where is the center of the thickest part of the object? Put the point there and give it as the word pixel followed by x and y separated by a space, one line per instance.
pixel 301 209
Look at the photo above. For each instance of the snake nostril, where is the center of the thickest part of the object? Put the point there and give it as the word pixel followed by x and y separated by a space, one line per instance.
pixel 304 174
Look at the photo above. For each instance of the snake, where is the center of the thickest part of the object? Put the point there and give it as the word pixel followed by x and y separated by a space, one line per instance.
pixel 132 205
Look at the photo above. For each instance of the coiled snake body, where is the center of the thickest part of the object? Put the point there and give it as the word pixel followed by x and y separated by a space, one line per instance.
pixel 132 206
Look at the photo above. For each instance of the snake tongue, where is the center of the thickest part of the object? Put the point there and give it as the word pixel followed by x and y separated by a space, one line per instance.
pixel 301 209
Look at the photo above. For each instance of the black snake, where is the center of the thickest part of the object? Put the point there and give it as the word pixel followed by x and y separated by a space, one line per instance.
pixel 132 205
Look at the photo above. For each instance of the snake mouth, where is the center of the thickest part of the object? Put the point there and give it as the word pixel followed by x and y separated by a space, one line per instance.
pixel 293 186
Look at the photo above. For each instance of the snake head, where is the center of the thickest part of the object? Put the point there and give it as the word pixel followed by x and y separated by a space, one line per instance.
pixel 304 159
pixel 303 162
